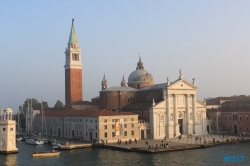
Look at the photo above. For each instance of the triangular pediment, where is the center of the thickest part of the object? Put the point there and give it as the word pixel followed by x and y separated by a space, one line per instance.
pixel 182 84
pixel 200 104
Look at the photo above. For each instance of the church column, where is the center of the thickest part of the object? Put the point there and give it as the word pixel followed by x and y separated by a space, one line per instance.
pixel 194 112
pixel 176 125
pixel 184 129
pixel 187 114
pixel 168 118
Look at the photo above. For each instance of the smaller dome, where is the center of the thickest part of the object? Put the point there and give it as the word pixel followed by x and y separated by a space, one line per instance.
pixel 8 110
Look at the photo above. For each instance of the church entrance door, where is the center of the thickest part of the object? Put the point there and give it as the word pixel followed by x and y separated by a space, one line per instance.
pixel 142 134
pixel 235 129
pixel 180 125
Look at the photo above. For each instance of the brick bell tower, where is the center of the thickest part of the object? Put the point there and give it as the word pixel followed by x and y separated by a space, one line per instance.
pixel 73 69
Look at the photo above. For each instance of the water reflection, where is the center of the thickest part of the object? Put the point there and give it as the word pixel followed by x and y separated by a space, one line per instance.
pixel 11 159
pixel 106 157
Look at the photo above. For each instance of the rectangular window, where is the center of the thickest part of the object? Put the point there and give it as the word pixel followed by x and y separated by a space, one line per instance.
pixel 11 129
pixel 3 129
pixel 105 120
pixel 90 120
pixel 96 135
pixel 75 57
pixel 113 134
pixel 86 120
pixel 132 132
pixel 95 121
pixel 125 119
pixel 86 133
pixel 96 127
pixel 132 125
pixel 225 118
pixel 132 119
pixel 125 125
pixel 113 126
pixel 105 126
pixel 113 120
pixel 147 131
pixel 105 135
pixel 125 133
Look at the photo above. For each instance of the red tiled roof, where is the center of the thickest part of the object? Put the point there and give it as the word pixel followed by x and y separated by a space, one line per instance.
pixel 229 109
pixel 238 102
pixel 84 103
pixel 87 112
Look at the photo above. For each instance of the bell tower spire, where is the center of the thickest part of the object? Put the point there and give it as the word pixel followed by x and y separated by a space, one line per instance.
pixel 73 69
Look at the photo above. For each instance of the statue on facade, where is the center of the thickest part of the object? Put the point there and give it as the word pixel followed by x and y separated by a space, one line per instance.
pixel 193 81
pixel 180 71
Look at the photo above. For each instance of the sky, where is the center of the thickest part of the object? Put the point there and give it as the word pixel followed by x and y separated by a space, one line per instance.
pixel 208 40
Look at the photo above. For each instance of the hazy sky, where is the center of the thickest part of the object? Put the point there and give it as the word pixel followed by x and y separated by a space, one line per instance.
pixel 209 40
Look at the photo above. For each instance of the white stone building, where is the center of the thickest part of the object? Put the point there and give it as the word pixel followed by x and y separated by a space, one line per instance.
pixel 179 113
pixel 7 133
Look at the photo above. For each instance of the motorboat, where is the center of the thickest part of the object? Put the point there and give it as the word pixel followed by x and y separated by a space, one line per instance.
pixel 43 139
pixel 34 141
pixel 46 153
pixel 19 138
pixel 55 143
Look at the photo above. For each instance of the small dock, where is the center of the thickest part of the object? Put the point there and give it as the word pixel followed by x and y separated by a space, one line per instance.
pixel 74 146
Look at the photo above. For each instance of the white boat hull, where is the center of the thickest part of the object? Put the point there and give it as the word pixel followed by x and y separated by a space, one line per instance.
pixel 34 142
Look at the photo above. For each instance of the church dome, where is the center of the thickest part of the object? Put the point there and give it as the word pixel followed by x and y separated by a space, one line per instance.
pixel 140 75
pixel 8 110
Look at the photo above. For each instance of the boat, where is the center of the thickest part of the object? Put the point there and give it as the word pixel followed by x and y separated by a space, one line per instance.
pixel 45 153
pixel 44 140
pixel 19 138
pixel 55 143
pixel 34 142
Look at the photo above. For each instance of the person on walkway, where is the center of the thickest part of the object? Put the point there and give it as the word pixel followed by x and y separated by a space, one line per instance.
pixel 135 141
pixel 174 135
pixel 167 145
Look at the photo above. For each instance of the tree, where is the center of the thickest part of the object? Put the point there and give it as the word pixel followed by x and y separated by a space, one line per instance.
pixel 59 104
pixel 35 104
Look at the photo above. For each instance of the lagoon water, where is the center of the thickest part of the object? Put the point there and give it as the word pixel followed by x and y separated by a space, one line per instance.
pixel 107 157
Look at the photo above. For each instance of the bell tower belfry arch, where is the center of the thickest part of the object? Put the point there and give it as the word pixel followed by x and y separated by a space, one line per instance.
pixel 73 69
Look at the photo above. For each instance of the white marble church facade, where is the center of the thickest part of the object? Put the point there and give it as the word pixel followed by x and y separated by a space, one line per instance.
pixel 179 113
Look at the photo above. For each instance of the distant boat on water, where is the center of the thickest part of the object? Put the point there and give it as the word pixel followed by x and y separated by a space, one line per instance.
pixel 19 138
pixel 45 154
pixel 34 142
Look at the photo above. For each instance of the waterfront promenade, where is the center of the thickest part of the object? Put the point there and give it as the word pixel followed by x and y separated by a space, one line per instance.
pixel 153 146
